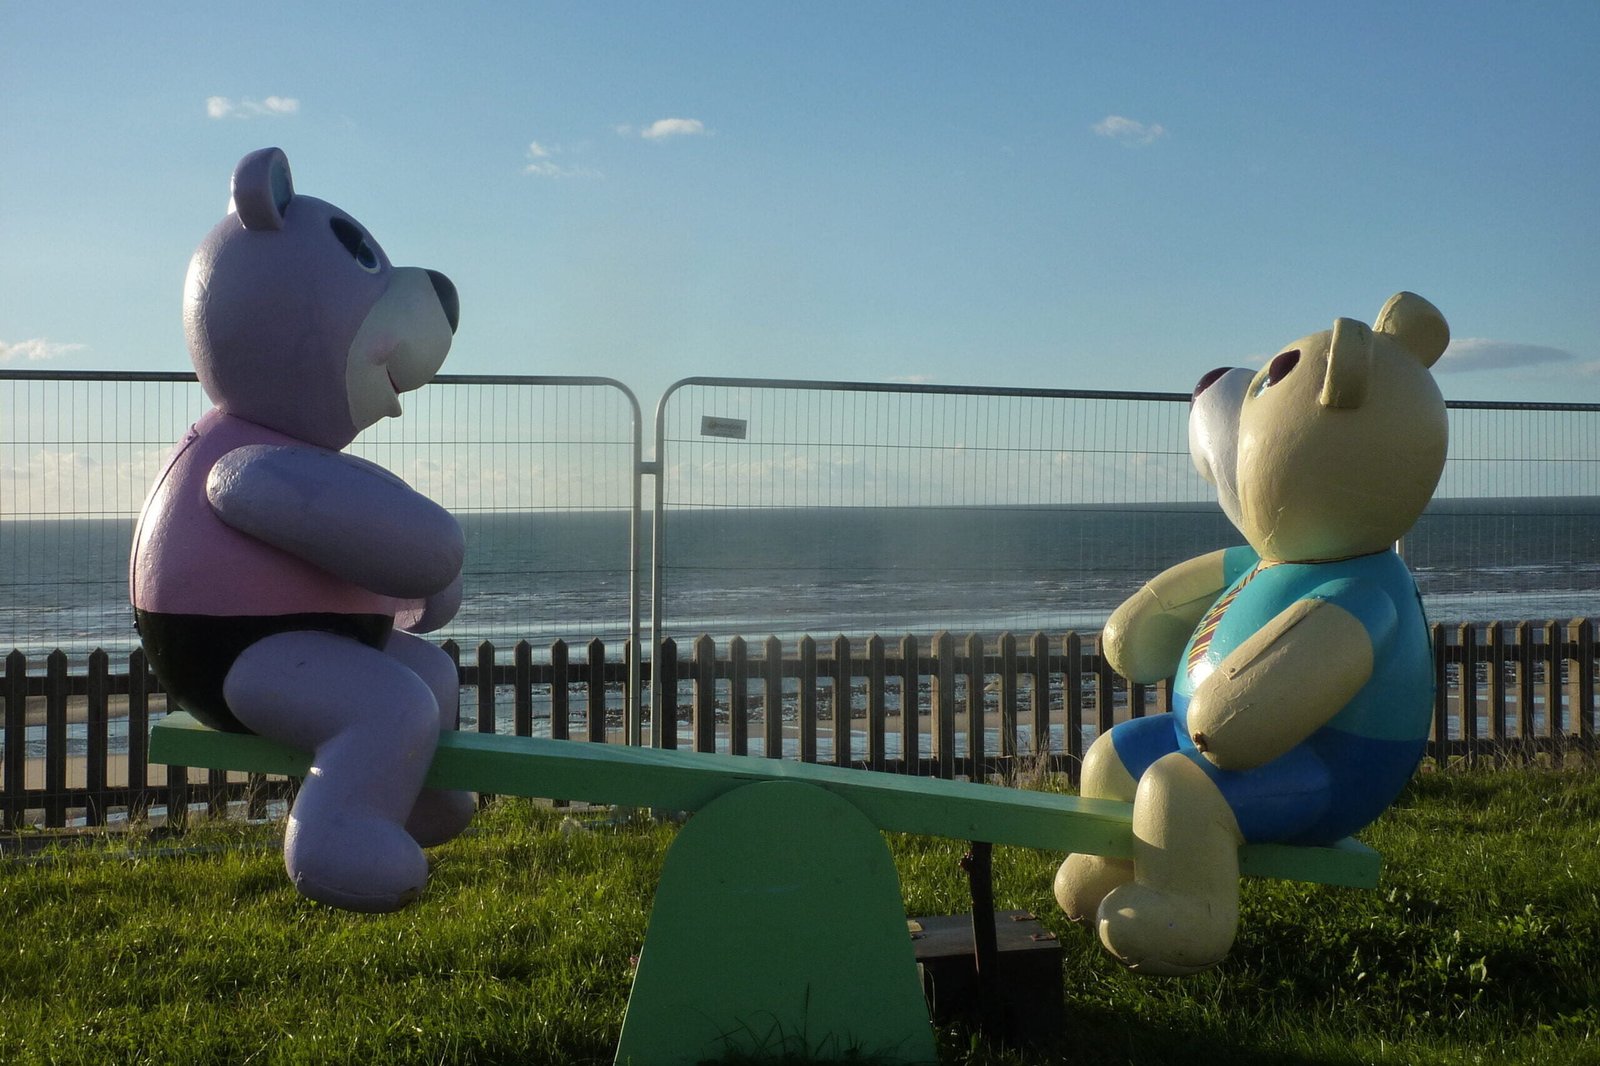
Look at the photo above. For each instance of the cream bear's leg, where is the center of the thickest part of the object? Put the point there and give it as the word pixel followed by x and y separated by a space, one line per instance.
pixel 1181 912
pixel 1083 880
pixel 438 815
pixel 371 725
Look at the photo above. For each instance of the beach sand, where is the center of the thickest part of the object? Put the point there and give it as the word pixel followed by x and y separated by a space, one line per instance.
pixel 78 708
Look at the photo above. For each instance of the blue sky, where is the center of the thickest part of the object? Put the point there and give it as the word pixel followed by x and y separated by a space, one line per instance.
pixel 1115 196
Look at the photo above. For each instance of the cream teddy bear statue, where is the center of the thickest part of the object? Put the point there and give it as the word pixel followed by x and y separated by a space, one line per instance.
pixel 1303 678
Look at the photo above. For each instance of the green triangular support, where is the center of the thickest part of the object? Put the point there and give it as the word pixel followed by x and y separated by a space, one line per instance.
pixel 778 930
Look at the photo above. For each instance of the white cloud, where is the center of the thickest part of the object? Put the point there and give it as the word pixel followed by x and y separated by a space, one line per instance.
pixel 556 170
pixel 35 350
pixel 662 128
pixel 225 107
pixel 543 164
pixel 1127 131
pixel 1480 353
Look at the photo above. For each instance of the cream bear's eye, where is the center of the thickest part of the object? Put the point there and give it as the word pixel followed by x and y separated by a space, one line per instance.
pixel 356 244
pixel 1278 369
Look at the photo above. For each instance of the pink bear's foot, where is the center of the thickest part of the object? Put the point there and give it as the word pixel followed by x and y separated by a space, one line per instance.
pixel 440 816
pixel 1165 933
pixel 357 863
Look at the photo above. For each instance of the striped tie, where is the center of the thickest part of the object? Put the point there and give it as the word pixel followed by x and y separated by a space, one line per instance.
pixel 1208 625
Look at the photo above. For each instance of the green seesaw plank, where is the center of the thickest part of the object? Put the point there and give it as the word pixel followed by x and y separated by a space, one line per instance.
pixel 688 781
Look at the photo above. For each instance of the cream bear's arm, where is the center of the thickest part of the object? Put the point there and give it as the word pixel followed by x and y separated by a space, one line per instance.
pixel 353 519
pixel 1281 685
pixel 1144 638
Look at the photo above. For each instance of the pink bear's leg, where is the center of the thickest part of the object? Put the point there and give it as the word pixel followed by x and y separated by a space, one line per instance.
pixel 438 815
pixel 372 726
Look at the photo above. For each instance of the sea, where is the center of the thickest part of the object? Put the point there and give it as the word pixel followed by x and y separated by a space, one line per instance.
pixel 543 576
pixel 755 573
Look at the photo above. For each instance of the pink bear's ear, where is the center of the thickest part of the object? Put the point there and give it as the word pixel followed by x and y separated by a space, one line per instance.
pixel 262 189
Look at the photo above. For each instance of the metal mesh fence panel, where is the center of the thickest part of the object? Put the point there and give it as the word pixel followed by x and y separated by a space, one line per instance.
pixel 540 472
pixel 1513 532
pixel 805 507
pixel 77 456
pixel 791 507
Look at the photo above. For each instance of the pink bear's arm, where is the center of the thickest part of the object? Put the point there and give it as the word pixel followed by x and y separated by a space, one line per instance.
pixel 435 612
pixel 349 517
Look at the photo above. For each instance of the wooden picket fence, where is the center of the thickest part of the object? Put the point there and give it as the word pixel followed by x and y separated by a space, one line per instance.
pixel 991 708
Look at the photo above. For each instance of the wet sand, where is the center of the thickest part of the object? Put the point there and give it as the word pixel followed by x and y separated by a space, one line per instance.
pixel 78 708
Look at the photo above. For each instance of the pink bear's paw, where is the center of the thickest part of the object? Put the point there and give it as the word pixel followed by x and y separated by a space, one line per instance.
pixel 356 863
pixel 440 816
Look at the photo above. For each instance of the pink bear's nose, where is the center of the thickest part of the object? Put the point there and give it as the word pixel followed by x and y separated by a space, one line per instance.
pixel 447 298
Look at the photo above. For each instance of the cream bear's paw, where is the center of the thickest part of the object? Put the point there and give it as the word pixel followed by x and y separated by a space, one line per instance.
pixel 1084 880
pixel 1165 934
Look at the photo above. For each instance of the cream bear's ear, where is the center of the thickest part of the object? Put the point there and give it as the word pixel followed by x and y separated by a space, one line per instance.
pixel 1416 324
pixel 1344 384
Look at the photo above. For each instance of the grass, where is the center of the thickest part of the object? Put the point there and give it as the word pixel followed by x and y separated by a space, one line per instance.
pixel 1482 945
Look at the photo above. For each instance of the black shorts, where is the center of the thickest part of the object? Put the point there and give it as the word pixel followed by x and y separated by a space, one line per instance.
pixel 191 654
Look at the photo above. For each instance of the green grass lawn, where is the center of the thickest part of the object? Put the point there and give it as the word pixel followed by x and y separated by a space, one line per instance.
pixel 1481 945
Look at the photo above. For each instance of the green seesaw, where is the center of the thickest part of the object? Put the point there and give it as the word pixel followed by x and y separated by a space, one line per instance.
pixel 778 917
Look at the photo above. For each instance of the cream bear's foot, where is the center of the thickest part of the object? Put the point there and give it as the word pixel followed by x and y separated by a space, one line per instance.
pixel 357 863
pixel 1084 880
pixel 440 816
pixel 1164 933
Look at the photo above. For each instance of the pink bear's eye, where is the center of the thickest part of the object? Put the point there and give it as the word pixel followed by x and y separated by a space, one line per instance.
pixel 356 243
pixel 1211 378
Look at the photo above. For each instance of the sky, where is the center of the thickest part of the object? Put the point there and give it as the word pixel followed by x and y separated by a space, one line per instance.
pixel 1056 195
